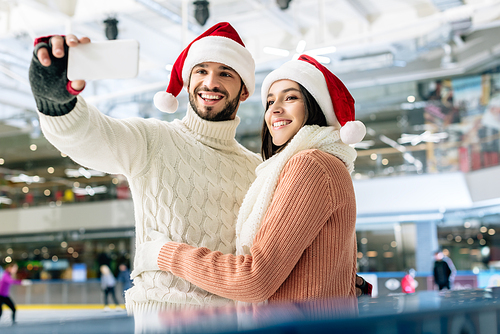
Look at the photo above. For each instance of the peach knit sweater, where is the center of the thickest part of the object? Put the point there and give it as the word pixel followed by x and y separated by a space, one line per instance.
pixel 305 248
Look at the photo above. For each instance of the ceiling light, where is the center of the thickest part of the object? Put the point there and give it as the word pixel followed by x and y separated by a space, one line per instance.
pixel 392 143
pixel 300 49
pixel 426 136
pixel 5 200
pixel 283 4
pixel 25 178
pixel 301 46
pixel 485 251
pixel 365 144
pixel 88 173
pixel 91 191
pixel 201 13
pixel 276 51
pixel 111 28
pixel 411 159
pixel 84 172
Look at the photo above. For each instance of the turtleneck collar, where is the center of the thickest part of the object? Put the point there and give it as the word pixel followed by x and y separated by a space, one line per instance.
pixel 213 131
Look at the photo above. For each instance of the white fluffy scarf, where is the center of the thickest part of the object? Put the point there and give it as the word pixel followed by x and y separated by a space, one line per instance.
pixel 260 194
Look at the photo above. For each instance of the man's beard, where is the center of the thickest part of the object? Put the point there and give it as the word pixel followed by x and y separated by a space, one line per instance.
pixel 226 112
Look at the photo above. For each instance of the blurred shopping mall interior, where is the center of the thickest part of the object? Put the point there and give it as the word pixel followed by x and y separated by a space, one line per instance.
pixel 425 75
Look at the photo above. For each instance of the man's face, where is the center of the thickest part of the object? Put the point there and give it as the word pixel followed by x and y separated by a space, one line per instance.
pixel 215 91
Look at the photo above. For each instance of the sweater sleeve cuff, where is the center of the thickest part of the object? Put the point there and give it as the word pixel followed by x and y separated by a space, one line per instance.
pixel 51 108
pixel 68 121
pixel 167 254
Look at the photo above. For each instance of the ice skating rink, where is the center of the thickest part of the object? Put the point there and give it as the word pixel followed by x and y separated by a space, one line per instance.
pixel 41 319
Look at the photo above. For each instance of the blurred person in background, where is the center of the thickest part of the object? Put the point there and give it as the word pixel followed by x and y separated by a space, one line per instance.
pixel 295 233
pixel 5 282
pixel 444 271
pixel 124 278
pixel 108 283
pixel 408 283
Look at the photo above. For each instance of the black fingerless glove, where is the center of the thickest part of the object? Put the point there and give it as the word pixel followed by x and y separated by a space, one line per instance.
pixel 50 84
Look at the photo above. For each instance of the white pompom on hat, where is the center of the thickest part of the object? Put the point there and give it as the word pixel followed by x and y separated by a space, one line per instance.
pixel 219 44
pixel 331 94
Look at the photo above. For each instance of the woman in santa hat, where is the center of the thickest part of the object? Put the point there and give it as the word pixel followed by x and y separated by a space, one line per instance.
pixel 295 232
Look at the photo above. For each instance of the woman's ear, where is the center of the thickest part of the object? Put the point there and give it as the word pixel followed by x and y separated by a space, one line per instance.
pixel 244 94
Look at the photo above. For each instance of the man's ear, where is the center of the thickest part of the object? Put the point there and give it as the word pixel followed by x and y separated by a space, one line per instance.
pixel 189 81
pixel 244 94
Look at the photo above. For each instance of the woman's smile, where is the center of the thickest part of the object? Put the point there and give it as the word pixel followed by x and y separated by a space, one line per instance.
pixel 285 113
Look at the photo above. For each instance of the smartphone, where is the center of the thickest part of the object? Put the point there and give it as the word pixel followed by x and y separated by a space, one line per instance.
pixel 117 59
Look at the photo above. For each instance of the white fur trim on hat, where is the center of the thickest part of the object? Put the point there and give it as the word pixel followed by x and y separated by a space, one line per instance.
pixel 310 78
pixel 222 50
pixel 165 102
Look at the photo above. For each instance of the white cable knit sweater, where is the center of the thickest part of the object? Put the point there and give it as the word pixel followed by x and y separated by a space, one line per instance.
pixel 188 179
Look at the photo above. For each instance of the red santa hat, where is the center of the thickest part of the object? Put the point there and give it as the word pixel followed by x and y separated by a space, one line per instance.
pixel 331 94
pixel 220 44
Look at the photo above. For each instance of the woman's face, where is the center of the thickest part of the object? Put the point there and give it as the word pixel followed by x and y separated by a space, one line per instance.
pixel 286 112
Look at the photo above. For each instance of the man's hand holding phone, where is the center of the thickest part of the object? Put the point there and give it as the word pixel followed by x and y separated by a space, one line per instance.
pixel 58 51
pixel 60 66
pixel 54 94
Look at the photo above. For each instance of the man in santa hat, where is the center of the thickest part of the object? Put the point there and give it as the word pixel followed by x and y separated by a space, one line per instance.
pixel 187 177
